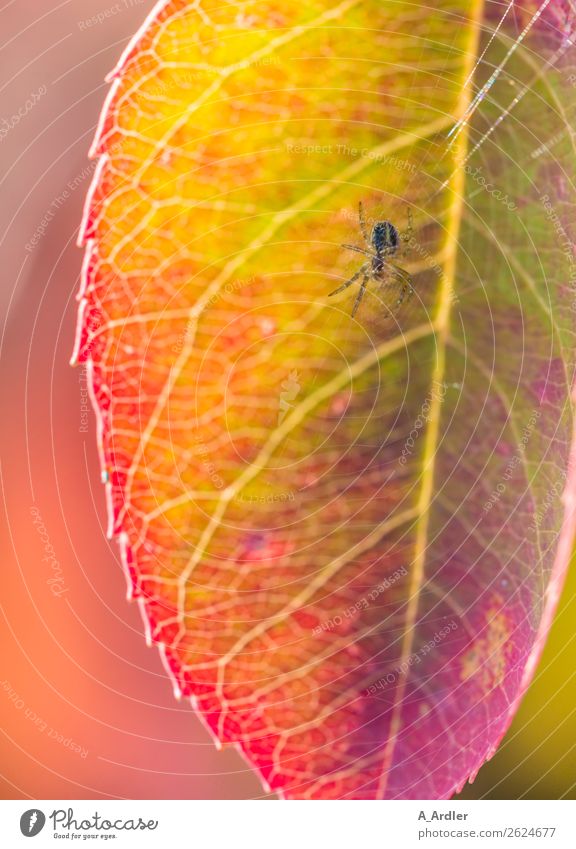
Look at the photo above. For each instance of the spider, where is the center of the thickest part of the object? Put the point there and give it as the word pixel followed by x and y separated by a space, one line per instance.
pixel 383 242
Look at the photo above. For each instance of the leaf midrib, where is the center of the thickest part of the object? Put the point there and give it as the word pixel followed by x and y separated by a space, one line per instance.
pixel 442 323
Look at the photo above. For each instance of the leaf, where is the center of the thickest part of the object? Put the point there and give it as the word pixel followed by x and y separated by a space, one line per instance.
pixel 346 536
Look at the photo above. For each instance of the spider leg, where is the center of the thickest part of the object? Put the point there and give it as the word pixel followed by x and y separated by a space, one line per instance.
pixel 408 236
pixel 402 282
pixel 400 273
pixel 358 249
pixel 360 294
pixel 403 289
pixel 362 270
pixel 363 226
pixel 405 282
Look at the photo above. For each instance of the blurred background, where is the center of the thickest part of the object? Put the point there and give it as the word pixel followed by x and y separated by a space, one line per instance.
pixel 86 710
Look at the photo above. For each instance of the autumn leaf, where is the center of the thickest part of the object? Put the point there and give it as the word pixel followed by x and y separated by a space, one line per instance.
pixel 347 535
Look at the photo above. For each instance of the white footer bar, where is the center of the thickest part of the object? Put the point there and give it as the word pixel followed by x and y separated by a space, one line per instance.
pixel 289 825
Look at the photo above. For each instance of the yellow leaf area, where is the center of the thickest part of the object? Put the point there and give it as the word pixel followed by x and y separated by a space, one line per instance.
pixel 251 429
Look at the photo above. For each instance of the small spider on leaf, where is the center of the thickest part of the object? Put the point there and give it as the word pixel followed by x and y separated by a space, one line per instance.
pixel 382 243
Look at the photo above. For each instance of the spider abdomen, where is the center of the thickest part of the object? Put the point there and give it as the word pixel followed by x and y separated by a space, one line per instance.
pixel 384 237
